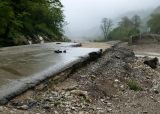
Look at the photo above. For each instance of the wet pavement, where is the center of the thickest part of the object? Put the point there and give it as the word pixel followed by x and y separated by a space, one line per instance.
pixel 22 67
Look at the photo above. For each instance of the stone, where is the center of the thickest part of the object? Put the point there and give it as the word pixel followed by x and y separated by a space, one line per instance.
pixel 56 112
pixel 40 87
pixel 156 89
pixel 109 104
pixel 109 109
pixel 81 93
pixel 73 108
pixel 12 112
pixel 16 103
pixel 103 100
pixel 1 108
pixel 94 55
pixel 58 51
pixel 23 107
pixel 101 112
pixel 3 101
pixel 68 109
pixel 46 106
pixel 81 112
pixel 54 93
pixel 122 87
pixel 145 112
pixel 153 63
pixel 64 51
pixel 116 80
pixel 32 103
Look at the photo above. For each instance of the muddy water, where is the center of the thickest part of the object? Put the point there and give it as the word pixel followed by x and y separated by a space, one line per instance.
pixel 22 64
pixel 22 61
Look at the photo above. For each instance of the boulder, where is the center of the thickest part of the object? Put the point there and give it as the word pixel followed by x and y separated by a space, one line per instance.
pixel 153 63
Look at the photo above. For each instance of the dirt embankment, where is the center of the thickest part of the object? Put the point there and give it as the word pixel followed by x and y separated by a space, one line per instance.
pixel 117 83
pixel 145 39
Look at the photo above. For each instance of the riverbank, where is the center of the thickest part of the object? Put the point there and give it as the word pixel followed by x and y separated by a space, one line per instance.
pixel 116 83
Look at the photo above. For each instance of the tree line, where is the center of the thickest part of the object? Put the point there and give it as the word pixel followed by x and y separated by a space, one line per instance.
pixel 24 20
pixel 128 27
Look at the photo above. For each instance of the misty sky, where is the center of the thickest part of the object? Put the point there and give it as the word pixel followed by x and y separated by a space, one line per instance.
pixel 86 15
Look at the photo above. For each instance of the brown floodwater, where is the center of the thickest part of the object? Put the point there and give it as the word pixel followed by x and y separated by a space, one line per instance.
pixel 22 64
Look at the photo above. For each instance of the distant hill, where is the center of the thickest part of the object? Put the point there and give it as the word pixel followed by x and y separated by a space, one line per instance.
pixel 141 13
pixel 144 14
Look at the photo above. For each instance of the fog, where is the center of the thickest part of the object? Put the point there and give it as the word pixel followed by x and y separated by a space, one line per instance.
pixel 84 16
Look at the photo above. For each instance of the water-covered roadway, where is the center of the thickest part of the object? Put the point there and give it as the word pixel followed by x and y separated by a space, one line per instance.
pixel 22 67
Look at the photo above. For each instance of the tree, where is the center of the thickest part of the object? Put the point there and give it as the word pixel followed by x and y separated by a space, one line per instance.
pixel 136 21
pixel 154 23
pixel 126 28
pixel 125 22
pixel 106 26
pixel 26 19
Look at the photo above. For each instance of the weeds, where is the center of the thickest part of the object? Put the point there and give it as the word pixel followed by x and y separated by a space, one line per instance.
pixel 134 85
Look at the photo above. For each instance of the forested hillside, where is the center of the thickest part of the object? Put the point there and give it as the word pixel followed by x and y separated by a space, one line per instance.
pixel 130 26
pixel 154 22
pixel 24 20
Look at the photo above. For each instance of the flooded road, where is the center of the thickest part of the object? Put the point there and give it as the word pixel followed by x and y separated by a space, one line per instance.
pixel 24 65
pixel 23 61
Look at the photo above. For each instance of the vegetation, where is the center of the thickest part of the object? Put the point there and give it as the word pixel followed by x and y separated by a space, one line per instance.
pixel 154 23
pixel 106 26
pixel 126 28
pixel 23 20
pixel 134 85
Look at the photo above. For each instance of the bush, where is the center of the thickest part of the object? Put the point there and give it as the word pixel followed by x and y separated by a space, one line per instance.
pixel 30 18
pixel 134 85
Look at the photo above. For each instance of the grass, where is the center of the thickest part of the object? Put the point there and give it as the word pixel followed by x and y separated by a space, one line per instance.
pixel 134 85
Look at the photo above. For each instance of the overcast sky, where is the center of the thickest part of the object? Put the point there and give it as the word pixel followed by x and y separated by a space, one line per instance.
pixel 84 15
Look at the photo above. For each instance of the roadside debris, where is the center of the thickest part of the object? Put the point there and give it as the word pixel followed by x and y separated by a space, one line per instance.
pixel 153 63
pixel 59 51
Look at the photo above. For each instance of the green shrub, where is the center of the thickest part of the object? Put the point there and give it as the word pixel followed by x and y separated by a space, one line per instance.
pixel 134 85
